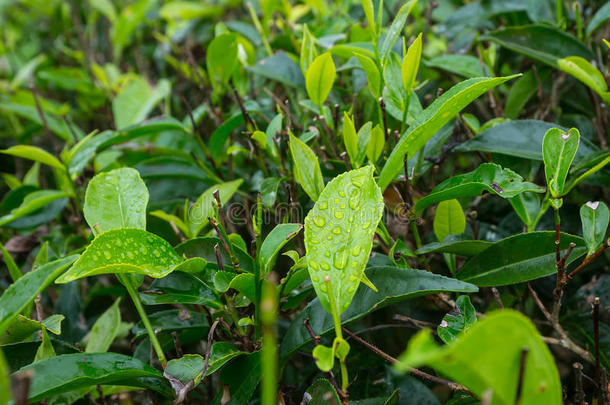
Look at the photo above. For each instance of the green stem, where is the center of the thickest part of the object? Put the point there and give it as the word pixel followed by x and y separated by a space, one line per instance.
pixel 127 282
pixel 338 332
pixel 269 351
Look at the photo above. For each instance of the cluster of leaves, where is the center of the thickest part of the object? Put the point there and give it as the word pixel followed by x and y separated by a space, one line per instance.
pixel 213 201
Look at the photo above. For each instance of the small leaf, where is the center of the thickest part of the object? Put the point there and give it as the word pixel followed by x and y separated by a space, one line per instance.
pixel 320 77
pixel 269 191
pixel 456 322
pixel 376 144
pixel 306 168
pixel 203 208
pixel 45 350
pixel 395 29
pixel 595 217
pixel 128 250
pixel 185 369
pixel 180 288
pixel 104 330
pixel 582 70
pixel 339 234
pixel 455 245
pixel 558 151
pixel 324 357
pixel 410 64
pixel 136 101
pixel 449 219
pixel 519 258
pixel 369 12
pixel 21 328
pixel 23 291
pixel 323 393
pixel 34 153
pixel 472 360
pixel 350 140
pixel 32 203
pixel 432 119
pixel 221 57
pixel 488 177
pixel 308 49
pixel 116 199
pixel 273 243
pixel 372 74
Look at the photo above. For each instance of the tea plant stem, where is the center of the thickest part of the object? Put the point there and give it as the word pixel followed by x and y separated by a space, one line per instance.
pixel 269 352
pixel 558 292
pixel 587 261
pixel 596 340
pixel 127 282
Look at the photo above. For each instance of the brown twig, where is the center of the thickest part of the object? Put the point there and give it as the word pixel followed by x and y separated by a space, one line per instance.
pixel 586 262
pixel 221 265
pixel 452 385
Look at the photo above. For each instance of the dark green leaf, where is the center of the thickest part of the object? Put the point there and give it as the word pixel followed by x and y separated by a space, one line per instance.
pixel 273 243
pixel 456 245
pixel 104 330
pixel 180 288
pixel 456 322
pixel 323 393
pixel 595 217
pixel 306 168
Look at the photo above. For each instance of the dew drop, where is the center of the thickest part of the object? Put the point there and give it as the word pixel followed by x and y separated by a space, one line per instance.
pixel 313 264
pixel 118 242
pixel 328 237
pixel 324 266
pixel 337 230
pixel 341 193
pixel 129 254
pixel 358 181
pixel 156 253
pixel 352 279
pixel 319 221
pixel 323 205
pixel 107 255
pixel 356 250
pixel 337 201
pixel 351 289
pixel 338 214
pixel 142 249
pixel 340 258
pixel 315 278
pixel 323 287
pixel 353 203
pixel 366 224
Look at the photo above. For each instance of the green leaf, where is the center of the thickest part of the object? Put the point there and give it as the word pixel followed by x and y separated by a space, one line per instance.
pixel 376 143
pixel 34 153
pixel 23 291
pixel 558 151
pixel 116 199
pixel 180 288
pixel 369 12
pixel 395 29
pixel 244 283
pixel 188 10
pixel 128 250
pixel 174 320
pixel 582 70
pixel 595 217
pixel 527 206
pixel 128 20
pixel 472 360
pixel 323 393
pixel 463 65
pixel 45 350
pixel 372 74
pixel 221 57
pixel 273 243
pixel 12 267
pixel 242 377
pixel 487 177
pixel 520 138
pixel 456 245
pixel 185 368
pixel 350 140
pixel 457 322
pixel 32 203
pixel 599 18
pixel 394 285
pixel 203 208
pixel 519 258
pixel 306 168
pixel 521 92
pixel 449 219
pixel 104 330
pixel 339 234
pixel 308 49
pixel 220 354
pixel 410 64
pixel 320 77
pixel 432 119
pixel 22 328
pixel 69 372
pixel 133 104
pixel 540 42
pixel 325 356
pixel 269 191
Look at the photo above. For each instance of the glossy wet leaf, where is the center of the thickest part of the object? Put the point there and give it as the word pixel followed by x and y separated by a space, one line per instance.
pixel 519 258
pixel 339 235
pixel 558 151
pixel 540 42
pixel 320 78
pixel 203 208
pixel 185 368
pixel 73 371
pixel 22 292
pixel 449 219
pixel 180 288
pixel 116 199
pixel 595 217
pixel 395 29
pixel 273 243
pixel 488 177
pixel 128 250
pixel 306 168
pixel 472 360
pixel 432 119
pixel 34 153
pixel 457 321
pixel 456 245
pixel 393 284
pixel 104 330
pixel 33 202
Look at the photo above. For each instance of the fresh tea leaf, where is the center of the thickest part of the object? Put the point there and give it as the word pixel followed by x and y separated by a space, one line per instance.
pixel 306 168
pixel 558 151
pixel 449 219
pixel 595 217
pixel 34 153
pixel 457 322
pixel 104 330
pixel 320 77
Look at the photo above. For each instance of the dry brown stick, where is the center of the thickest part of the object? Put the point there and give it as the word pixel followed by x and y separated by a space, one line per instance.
pixel 454 386
pixel 586 262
